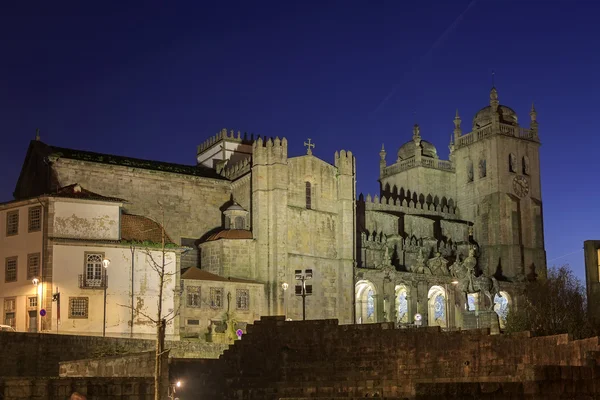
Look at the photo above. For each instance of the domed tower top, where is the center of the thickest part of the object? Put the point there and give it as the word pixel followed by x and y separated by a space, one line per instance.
pixel 505 114
pixel 409 149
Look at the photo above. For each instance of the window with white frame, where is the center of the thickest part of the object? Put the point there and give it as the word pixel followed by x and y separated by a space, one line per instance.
pixel 12 223
pixel 216 297
pixel 10 269
pixel 193 296
pixel 93 269
pixel 10 312
pixel 35 219
pixel 32 302
pixel 78 307
pixel 242 299
pixel 33 265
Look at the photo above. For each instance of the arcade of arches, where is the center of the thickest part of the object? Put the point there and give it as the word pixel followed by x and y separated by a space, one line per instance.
pixel 443 306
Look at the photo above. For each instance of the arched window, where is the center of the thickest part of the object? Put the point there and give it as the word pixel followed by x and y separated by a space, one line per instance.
pixel 402 315
pixel 437 306
pixel 308 196
pixel 239 223
pixel 366 302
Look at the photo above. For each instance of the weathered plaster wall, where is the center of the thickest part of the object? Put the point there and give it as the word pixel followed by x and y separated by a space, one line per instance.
pixel 86 220
pixel 72 259
pixel 22 245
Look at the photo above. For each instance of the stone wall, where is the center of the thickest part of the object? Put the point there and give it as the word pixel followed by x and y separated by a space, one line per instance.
pixel 62 388
pixel 283 359
pixel 139 365
pixel 39 354
pixel 191 204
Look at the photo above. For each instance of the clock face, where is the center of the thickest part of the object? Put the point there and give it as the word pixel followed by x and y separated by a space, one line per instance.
pixel 520 186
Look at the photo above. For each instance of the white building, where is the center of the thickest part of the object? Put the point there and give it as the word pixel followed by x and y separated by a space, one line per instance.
pixel 75 263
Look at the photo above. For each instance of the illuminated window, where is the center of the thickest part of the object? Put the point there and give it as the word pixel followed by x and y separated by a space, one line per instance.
pixel 308 196
pixel 12 223
pixel 33 302
pixel 193 296
pixel 33 265
pixel 216 297
pixel 35 219
pixel 10 269
pixel 9 312
pixel 242 299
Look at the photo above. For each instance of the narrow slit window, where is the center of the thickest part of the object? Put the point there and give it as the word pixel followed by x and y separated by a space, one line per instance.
pixel 308 196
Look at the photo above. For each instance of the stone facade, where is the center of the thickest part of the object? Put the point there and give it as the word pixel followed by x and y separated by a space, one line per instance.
pixel 416 235
pixel 591 249
pixel 248 211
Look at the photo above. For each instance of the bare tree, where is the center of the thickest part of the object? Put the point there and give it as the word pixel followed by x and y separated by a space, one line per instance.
pixel 159 265
pixel 552 306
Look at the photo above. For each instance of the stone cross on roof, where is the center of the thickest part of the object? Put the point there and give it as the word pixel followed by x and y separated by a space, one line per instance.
pixel 309 145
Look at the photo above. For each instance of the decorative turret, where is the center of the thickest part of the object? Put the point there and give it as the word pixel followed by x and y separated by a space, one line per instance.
pixel 457 121
pixel 382 163
pixel 534 123
pixel 417 134
pixel 494 103
pixel 451 148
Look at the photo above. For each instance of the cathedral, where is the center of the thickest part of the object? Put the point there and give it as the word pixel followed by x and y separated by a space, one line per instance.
pixel 445 242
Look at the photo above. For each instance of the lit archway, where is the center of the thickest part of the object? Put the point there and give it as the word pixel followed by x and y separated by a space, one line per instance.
pixel 473 301
pixel 502 304
pixel 437 306
pixel 366 302
pixel 401 304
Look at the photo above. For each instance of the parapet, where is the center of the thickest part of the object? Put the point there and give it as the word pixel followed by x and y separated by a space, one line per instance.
pixel 224 135
pixel 269 151
pixel 345 162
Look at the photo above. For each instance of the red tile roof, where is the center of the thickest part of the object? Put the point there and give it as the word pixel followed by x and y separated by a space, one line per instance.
pixel 230 234
pixel 201 275
pixel 142 229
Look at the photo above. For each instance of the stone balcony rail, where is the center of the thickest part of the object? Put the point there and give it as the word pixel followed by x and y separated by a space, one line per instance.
pixel 505 129
pixel 412 162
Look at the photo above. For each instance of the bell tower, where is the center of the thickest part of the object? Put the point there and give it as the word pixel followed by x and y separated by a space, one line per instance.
pixel 499 190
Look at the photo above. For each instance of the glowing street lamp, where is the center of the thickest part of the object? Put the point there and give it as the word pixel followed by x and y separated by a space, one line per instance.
pixel 105 264
pixel 35 281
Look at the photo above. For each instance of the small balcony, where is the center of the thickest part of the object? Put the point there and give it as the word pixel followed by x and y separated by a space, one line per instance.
pixel 96 283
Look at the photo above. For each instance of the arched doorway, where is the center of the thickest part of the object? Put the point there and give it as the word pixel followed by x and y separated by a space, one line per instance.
pixel 502 303
pixel 366 302
pixel 437 306
pixel 401 304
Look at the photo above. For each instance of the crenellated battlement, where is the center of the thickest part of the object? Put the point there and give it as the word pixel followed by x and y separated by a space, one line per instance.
pixel 238 169
pixel 230 136
pixel 269 151
pixel 345 162
pixel 410 205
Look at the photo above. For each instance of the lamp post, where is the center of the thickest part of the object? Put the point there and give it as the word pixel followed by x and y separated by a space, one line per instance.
pixel 302 289
pixel 35 282
pixel 105 264
pixel 285 287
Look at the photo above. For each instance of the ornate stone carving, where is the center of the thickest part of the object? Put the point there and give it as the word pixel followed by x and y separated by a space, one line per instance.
pixel 420 267
pixel 438 265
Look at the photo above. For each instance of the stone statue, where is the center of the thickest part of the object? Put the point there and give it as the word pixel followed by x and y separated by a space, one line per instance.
pixel 513 162
pixel 437 265
pixel 468 282
pixel 420 267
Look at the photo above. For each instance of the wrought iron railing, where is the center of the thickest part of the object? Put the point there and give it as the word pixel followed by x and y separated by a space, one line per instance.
pixel 92 283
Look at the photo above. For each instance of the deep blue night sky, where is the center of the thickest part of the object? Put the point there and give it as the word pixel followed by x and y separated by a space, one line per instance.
pixel 154 81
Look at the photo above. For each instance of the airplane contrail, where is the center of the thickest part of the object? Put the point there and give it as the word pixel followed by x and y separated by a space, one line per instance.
pixel 435 45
